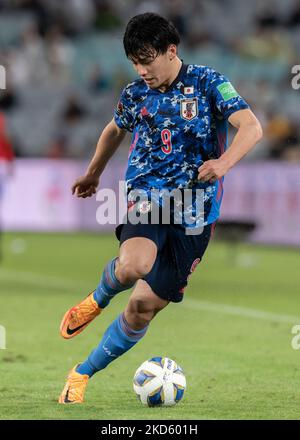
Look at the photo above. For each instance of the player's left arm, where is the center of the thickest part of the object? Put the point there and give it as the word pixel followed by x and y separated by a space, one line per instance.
pixel 249 132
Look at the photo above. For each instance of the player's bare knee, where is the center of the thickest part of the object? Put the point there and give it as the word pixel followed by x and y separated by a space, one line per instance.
pixel 128 272
pixel 143 267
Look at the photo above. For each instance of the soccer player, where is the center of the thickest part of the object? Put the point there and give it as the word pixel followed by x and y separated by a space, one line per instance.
pixel 178 115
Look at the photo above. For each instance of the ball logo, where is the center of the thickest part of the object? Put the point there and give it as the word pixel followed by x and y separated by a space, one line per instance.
pixel 167 377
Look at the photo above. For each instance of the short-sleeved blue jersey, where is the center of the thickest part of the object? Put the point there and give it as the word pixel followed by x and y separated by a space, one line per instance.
pixel 175 131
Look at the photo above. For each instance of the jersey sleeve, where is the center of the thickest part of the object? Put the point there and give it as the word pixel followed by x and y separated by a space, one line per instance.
pixel 123 114
pixel 223 96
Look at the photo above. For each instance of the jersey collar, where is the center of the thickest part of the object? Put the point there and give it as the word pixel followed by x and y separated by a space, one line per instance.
pixel 181 73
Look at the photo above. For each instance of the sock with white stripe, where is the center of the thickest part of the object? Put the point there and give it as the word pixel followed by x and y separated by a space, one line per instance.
pixel 117 339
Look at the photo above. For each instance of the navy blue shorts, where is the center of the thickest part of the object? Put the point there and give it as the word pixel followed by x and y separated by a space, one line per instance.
pixel 177 256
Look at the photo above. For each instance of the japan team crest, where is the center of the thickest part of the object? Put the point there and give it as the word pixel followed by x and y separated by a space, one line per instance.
pixel 189 108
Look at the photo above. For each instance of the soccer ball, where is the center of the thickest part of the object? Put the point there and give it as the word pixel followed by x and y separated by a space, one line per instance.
pixel 159 382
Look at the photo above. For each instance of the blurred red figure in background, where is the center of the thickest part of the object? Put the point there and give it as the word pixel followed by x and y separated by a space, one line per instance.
pixel 6 150
pixel 6 160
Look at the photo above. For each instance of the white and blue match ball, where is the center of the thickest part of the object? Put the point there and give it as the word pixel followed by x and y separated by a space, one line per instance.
pixel 159 381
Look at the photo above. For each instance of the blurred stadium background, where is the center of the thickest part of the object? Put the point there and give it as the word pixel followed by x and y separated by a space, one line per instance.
pixel 65 68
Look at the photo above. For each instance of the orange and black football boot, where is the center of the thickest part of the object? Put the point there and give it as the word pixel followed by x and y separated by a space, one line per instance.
pixel 74 389
pixel 78 317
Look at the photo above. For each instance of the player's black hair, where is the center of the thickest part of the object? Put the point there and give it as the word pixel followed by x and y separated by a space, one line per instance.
pixel 145 32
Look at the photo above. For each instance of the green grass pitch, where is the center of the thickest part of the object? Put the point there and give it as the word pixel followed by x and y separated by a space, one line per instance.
pixel 232 333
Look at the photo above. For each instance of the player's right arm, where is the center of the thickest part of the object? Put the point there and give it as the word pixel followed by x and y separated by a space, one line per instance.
pixel 109 141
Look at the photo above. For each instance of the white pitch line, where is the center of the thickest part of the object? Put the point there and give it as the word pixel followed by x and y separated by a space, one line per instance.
pixel 190 303
pixel 39 280
pixel 228 309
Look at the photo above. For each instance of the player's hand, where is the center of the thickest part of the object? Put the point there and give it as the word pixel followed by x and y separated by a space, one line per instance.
pixel 85 186
pixel 212 170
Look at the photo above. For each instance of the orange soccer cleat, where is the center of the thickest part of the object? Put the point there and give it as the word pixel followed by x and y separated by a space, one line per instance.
pixel 78 317
pixel 74 389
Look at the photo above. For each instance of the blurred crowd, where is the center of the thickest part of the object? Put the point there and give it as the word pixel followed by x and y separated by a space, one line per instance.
pixel 66 67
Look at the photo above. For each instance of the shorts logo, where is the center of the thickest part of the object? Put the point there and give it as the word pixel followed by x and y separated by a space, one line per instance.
pixel 189 108
pixel 194 265
pixel 192 269
pixel 144 207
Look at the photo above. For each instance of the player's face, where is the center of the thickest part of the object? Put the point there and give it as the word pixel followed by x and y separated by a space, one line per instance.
pixel 155 69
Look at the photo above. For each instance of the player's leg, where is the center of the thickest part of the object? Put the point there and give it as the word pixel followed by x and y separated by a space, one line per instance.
pixel 127 329
pixel 122 334
pixel 136 257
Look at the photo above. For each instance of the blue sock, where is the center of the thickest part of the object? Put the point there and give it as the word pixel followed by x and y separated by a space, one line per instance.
pixel 109 286
pixel 117 339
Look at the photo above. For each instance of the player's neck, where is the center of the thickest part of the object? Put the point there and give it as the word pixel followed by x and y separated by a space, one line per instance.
pixel 173 75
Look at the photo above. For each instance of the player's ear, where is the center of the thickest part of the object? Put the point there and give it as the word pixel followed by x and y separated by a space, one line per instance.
pixel 172 51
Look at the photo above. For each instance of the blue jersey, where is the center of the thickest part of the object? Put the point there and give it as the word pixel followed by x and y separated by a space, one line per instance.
pixel 175 131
